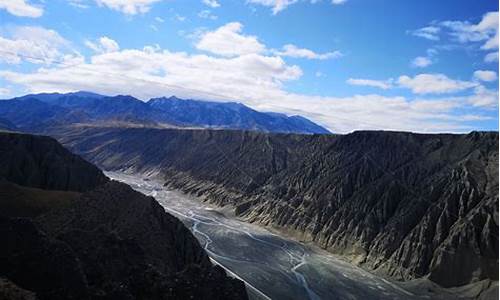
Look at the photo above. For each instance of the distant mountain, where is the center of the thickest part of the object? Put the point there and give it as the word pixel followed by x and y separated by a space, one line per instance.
pixel 6 124
pixel 37 112
pixel 231 115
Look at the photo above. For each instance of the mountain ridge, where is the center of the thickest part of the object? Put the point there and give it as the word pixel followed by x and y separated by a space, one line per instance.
pixel 36 112
pixel 396 203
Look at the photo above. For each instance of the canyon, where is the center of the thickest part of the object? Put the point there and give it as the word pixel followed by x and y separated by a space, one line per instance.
pixel 398 204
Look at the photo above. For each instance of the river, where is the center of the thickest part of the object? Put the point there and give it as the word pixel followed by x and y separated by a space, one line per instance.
pixel 272 267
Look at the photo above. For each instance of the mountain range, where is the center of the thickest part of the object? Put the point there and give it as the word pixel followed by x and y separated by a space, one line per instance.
pixel 41 111
pixel 400 204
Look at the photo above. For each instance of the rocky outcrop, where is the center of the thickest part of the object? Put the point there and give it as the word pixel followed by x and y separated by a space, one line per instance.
pixel 38 263
pixel 131 249
pixel 104 241
pixel 41 162
pixel 408 205
pixel 10 291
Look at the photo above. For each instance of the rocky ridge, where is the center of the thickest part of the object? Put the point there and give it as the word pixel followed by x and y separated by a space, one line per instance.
pixel 401 204
pixel 93 238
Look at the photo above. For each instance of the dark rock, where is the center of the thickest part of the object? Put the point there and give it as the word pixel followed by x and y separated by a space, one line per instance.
pixel 130 248
pixel 41 162
pixel 403 204
pixel 10 291
pixel 109 242
pixel 38 263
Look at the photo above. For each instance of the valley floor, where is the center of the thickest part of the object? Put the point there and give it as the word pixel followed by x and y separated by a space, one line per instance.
pixel 274 267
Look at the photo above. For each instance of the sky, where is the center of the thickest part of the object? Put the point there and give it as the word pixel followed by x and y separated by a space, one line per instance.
pixel 422 66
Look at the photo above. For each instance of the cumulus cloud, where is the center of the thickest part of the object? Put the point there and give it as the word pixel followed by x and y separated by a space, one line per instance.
pixel 371 83
pixel 21 8
pixel 211 3
pixel 103 45
pixel 129 7
pixel 337 2
pixel 485 75
pixel 34 44
pixel 421 62
pixel 294 51
pixel 486 30
pixel 256 78
pixel 484 97
pixel 434 84
pixel 228 41
pixel 491 57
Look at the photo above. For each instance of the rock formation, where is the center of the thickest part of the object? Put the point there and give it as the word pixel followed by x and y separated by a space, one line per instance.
pixel 92 238
pixel 403 204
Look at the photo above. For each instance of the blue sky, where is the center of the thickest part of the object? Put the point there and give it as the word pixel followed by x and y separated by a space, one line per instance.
pixel 426 66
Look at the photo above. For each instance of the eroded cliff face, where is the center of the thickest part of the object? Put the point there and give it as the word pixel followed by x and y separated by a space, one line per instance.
pixel 41 162
pixel 403 204
pixel 130 248
pixel 92 238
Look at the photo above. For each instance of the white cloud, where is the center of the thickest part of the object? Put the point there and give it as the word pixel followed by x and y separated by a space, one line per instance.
pixel 227 41
pixel 277 5
pixel 152 72
pixel 78 4
pixel 484 97
pixel 33 44
pixel 371 83
pixel 255 78
pixel 211 3
pixel 429 32
pixel 159 20
pixel 280 5
pixel 486 30
pixel 207 14
pixel 294 51
pixel 104 45
pixel 21 8
pixel 421 62
pixel 425 61
pixel 129 7
pixel 4 91
pixel 180 18
pixel 491 57
pixel 485 75
pixel 434 84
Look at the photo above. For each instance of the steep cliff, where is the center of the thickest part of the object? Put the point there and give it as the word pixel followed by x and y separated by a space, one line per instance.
pixel 41 162
pixel 92 238
pixel 403 204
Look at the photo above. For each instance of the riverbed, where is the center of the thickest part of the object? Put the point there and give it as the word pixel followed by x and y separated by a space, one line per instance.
pixel 272 267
